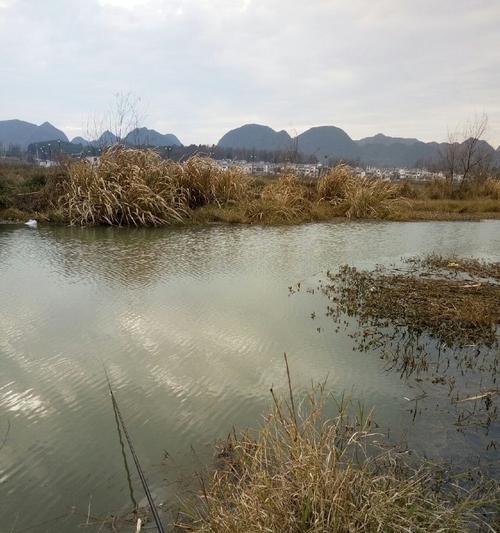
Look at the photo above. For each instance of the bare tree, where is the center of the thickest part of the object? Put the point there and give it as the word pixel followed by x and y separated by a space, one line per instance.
pixel 124 115
pixel 466 153
pixel 474 158
pixel 449 156
pixel 122 118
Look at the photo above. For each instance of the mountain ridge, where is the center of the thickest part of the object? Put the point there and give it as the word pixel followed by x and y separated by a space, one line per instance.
pixel 325 143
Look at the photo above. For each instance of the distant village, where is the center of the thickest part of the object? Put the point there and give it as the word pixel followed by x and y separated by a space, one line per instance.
pixel 307 170
pixel 315 170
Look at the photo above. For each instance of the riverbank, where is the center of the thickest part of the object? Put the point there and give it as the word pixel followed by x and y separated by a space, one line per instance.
pixel 138 188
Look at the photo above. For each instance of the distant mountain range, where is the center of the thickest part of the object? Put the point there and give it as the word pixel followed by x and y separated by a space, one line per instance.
pixel 22 134
pixel 330 142
pixel 137 137
pixel 323 142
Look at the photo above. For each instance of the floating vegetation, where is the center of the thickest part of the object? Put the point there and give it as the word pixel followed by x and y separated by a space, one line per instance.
pixel 456 311
pixel 435 319
pixel 302 472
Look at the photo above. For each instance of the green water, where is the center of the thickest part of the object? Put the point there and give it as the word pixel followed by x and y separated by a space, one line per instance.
pixel 192 324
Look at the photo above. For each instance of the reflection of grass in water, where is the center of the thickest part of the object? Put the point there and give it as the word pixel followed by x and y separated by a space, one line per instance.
pixel 436 318
pixel 302 472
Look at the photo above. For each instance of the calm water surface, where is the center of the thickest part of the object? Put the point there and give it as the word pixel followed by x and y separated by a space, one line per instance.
pixel 192 324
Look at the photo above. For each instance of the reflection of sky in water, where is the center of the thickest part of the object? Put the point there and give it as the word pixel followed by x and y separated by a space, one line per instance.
pixel 192 324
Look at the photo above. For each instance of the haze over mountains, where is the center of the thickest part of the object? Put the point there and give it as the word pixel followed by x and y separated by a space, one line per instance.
pixel 323 142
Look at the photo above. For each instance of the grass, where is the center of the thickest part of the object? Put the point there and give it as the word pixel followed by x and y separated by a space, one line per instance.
pixel 303 472
pixel 137 187
pixel 359 197
pixel 434 320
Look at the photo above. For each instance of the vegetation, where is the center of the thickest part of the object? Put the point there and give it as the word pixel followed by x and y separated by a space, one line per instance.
pixel 434 319
pixel 455 309
pixel 129 186
pixel 302 472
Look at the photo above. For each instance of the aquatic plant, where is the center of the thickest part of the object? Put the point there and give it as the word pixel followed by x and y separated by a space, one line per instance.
pixel 435 319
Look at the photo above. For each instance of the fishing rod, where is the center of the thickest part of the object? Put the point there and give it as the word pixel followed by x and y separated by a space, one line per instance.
pixel 142 477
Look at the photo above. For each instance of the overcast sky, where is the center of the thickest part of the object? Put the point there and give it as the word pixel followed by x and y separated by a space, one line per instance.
pixel 201 67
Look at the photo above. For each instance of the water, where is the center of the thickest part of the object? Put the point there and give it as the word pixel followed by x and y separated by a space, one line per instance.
pixel 192 324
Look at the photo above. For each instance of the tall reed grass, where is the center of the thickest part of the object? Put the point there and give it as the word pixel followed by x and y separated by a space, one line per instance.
pixel 285 200
pixel 359 197
pixel 131 186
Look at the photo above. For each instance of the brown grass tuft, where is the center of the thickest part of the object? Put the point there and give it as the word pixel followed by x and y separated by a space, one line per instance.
pixel 359 197
pixel 285 200
pixel 303 473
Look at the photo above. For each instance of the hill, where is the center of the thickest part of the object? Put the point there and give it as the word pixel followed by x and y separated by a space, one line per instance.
pixel 327 142
pixel 147 137
pixel 256 137
pixel 20 133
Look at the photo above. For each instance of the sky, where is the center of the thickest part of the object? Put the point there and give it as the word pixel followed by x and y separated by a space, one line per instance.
pixel 201 67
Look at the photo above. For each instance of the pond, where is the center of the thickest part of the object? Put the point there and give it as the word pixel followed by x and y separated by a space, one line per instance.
pixel 191 324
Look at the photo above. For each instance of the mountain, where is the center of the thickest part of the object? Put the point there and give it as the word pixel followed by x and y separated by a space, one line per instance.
pixel 327 142
pixel 330 142
pixel 147 137
pixel 256 136
pixel 80 140
pixel 380 138
pixel 21 133
pixel 106 139
pixel 398 152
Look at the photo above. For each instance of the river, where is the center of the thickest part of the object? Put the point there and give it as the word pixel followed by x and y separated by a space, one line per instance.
pixel 192 324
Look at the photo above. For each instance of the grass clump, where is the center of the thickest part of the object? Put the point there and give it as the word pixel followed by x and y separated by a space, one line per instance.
pixel 359 197
pixel 137 187
pixel 126 187
pixel 302 472
pixel 285 200
pixel 206 183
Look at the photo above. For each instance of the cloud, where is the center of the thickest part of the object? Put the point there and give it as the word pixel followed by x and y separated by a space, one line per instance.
pixel 203 66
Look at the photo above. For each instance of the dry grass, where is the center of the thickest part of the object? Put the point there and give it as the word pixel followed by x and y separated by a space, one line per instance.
pixel 205 183
pixel 302 472
pixel 285 200
pixel 359 197
pixel 441 189
pixel 454 310
pixel 136 187
pixel 126 187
